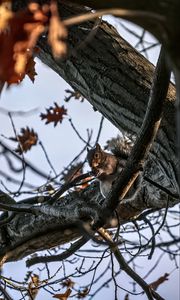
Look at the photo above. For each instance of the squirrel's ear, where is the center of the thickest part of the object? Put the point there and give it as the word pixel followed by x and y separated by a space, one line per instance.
pixel 88 149
pixel 98 147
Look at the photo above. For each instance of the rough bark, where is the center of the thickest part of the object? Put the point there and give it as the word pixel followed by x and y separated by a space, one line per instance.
pixel 116 80
pixel 163 20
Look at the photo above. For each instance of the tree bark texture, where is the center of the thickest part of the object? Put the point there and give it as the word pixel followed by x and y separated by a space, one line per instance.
pixel 116 80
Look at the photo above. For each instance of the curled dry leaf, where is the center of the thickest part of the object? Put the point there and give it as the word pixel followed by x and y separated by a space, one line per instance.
pixel 54 114
pixel 26 140
pixel 63 296
pixel 19 32
pixel 57 32
pixel 5 14
pixel 17 41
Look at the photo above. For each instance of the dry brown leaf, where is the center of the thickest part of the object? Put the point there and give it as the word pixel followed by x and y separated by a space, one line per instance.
pixel 63 296
pixel 155 284
pixel 5 14
pixel 19 32
pixel 33 286
pixel 68 283
pixel 54 114
pixel 30 69
pixel 73 172
pixel 57 32
pixel 26 140
pixel 17 41
pixel 82 294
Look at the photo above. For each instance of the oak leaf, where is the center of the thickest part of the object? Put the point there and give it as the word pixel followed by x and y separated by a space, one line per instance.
pixel 63 296
pixel 26 140
pixel 54 114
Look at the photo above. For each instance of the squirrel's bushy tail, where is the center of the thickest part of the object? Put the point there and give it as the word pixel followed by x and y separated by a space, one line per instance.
pixel 120 146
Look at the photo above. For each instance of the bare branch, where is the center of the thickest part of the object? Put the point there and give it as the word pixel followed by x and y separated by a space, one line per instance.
pixel 122 13
pixel 125 267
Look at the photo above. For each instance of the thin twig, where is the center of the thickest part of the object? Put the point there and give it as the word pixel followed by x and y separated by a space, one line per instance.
pixel 77 132
pixel 27 163
pixel 100 129
pixel 88 38
pixel 23 160
pixel 147 221
pixel 157 231
pixel 122 13
pixel 47 157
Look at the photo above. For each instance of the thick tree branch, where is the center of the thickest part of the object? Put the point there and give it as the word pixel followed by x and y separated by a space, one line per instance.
pixel 146 136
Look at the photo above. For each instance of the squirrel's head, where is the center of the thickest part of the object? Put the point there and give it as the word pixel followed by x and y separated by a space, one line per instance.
pixel 95 157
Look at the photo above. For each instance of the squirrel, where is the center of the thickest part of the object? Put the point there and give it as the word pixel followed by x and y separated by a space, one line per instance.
pixel 106 167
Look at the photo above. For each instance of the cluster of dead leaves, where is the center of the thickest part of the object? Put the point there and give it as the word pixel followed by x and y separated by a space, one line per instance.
pixel 68 283
pixel 34 284
pixel 54 114
pixel 64 296
pixel 19 32
pixel 26 140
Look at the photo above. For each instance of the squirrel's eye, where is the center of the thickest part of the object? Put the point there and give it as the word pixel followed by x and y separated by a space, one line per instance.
pixel 96 155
